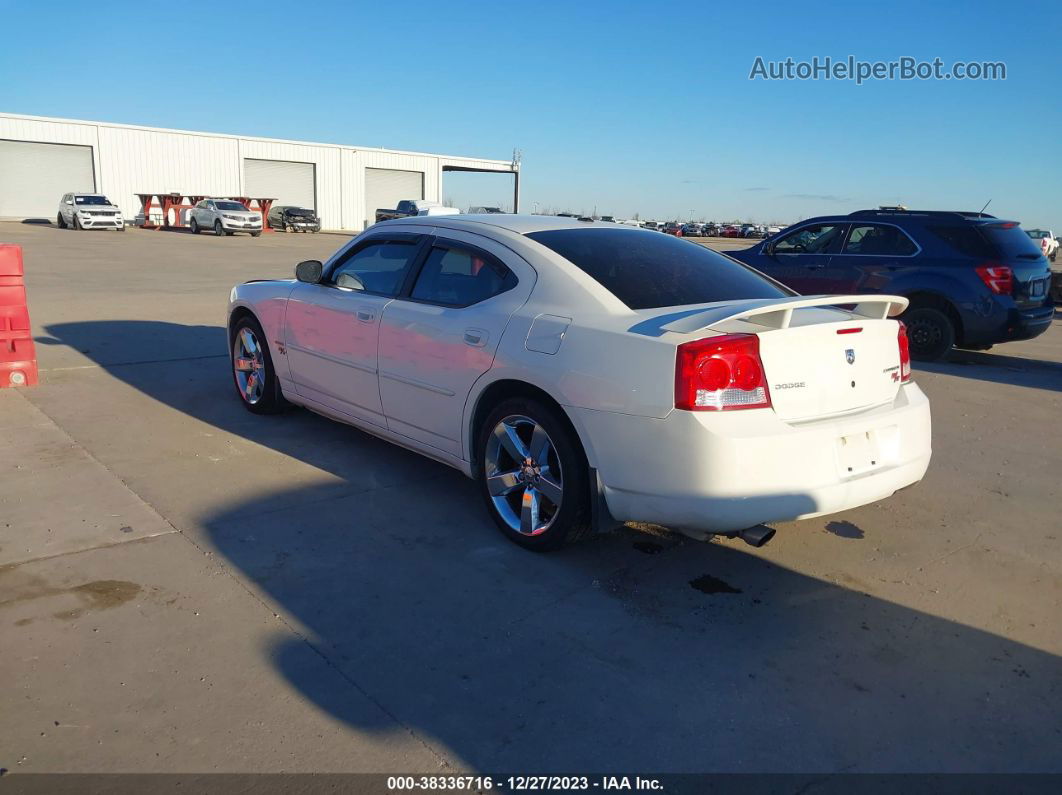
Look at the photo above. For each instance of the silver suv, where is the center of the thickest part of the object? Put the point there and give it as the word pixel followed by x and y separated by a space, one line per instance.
pixel 88 211
pixel 224 217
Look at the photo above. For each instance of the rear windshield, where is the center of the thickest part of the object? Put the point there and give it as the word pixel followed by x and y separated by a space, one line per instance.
pixel 1012 241
pixel 647 270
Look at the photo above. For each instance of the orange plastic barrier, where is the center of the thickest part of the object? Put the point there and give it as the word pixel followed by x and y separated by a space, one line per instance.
pixel 18 357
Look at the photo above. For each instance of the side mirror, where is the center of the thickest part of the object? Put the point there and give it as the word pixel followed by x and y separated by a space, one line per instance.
pixel 309 271
pixel 768 248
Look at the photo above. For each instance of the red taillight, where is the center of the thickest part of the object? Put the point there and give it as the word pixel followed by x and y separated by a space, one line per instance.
pixel 855 330
pixel 998 278
pixel 720 373
pixel 905 353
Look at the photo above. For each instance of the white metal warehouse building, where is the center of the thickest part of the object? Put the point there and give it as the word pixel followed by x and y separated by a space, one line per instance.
pixel 43 158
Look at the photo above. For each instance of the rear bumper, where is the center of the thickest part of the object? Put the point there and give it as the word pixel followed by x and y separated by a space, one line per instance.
pixel 1028 323
pixel 717 472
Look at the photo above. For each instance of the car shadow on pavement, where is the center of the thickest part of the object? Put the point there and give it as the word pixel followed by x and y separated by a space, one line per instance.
pixel 999 368
pixel 700 656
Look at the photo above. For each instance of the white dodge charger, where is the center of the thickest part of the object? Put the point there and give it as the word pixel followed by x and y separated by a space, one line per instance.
pixel 586 374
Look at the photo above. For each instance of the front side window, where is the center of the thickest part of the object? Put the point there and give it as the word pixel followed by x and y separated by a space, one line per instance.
pixel 648 270
pixel 879 239
pixel 376 268
pixel 458 277
pixel 816 239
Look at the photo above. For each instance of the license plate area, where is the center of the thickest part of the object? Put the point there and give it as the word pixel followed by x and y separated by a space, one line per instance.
pixel 858 453
pixel 1038 288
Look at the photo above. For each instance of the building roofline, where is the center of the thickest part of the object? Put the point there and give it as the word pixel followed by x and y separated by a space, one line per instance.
pixel 506 164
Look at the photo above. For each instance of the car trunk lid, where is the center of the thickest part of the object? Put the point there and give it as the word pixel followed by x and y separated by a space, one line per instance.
pixel 822 356
pixel 830 367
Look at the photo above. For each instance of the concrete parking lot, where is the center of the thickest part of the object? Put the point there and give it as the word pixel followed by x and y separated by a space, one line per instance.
pixel 187 587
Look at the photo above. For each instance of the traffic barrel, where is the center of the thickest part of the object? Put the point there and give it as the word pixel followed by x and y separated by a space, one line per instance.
pixel 18 357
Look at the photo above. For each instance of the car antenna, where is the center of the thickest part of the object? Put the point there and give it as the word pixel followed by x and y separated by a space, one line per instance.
pixel 985 207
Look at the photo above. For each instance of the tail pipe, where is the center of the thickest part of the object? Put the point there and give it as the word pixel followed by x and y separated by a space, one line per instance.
pixel 756 536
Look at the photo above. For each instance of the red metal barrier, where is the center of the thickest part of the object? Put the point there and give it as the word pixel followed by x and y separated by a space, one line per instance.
pixel 18 357
pixel 263 206
pixel 177 204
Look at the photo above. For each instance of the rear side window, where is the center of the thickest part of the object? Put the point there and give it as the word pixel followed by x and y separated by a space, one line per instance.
pixel 879 239
pixel 458 277
pixel 647 270
pixel 966 240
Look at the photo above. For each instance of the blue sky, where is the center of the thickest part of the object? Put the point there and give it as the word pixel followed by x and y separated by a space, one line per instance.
pixel 626 107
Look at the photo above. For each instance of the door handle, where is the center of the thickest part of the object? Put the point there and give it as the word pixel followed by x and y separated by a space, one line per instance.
pixel 365 316
pixel 476 337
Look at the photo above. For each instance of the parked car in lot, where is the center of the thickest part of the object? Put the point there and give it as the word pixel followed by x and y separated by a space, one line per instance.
pixel 611 219
pixel 224 217
pixel 288 218
pixel 408 208
pixel 673 228
pixel 1044 238
pixel 730 230
pixel 480 210
pixel 692 229
pixel 972 280
pixel 492 347
pixel 88 211
pixel 710 229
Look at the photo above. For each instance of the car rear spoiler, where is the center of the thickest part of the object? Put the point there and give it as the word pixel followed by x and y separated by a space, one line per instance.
pixel 778 312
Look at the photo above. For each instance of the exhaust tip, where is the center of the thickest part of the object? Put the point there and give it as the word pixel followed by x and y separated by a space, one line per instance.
pixel 757 536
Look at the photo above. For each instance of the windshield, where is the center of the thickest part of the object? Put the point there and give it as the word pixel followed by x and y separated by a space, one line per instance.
pixel 229 206
pixel 1036 234
pixel 649 271
pixel 91 200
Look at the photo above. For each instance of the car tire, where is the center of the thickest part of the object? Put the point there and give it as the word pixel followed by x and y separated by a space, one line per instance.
pixel 193 227
pixel 249 358
pixel 60 222
pixel 529 515
pixel 930 333
pixel 255 234
pixel 219 231
pixel 75 224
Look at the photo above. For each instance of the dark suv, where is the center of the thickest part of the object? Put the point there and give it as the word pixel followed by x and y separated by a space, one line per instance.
pixel 973 280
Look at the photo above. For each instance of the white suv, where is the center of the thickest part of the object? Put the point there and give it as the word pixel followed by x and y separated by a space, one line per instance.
pixel 225 217
pixel 88 211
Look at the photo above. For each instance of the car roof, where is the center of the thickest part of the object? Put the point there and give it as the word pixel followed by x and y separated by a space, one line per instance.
pixel 915 216
pixel 520 224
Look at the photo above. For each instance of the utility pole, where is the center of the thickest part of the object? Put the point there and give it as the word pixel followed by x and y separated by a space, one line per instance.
pixel 517 156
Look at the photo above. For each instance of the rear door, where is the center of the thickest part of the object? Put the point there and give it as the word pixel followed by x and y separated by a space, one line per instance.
pixel 871 256
pixel 441 334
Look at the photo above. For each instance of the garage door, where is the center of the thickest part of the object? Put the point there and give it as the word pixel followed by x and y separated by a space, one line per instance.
pixel 33 177
pixel 384 188
pixel 286 181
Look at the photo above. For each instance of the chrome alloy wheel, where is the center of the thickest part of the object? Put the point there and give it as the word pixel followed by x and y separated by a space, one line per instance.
pixel 248 365
pixel 523 474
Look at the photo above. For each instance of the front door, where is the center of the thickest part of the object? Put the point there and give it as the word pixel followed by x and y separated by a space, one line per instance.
pixel 439 338
pixel 799 259
pixel 332 328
